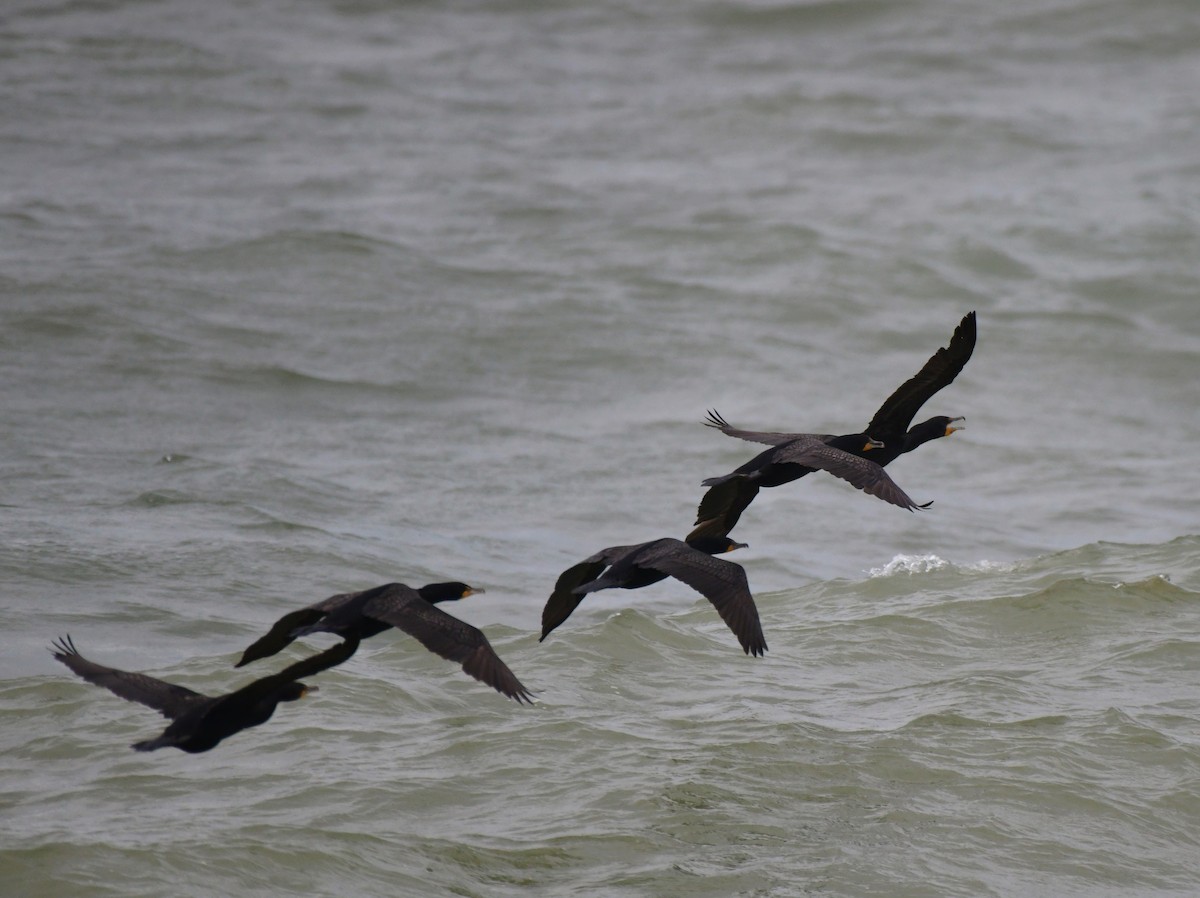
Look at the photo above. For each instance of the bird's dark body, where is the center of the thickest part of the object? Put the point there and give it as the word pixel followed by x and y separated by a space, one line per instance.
pixel 631 567
pixel 886 438
pixel 203 728
pixel 361 615
pixel 350 617
pixel 200 722
pixel 764 470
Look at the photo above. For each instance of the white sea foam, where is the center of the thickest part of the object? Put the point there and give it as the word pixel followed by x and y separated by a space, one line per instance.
pixel 910 564
pixel 924 564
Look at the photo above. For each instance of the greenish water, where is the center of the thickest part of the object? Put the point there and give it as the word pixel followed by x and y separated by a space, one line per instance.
pixel 297 299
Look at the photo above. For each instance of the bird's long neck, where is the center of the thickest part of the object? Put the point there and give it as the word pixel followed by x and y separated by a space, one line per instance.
pixel 850 442
pixel 923 433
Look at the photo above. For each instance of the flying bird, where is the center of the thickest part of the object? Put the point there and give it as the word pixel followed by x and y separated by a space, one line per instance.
pixel 364 614
pixel 199 722
pixel 885 438
pixel 630 567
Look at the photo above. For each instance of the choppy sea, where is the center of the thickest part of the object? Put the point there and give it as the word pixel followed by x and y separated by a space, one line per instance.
pixel 303 297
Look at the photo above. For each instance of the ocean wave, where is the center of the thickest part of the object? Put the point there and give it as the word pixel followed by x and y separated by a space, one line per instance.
pixel 930 562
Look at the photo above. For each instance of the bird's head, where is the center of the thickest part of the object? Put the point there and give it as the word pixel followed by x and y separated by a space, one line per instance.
pixel 948 424
pixel 294 691
pixel 716 545
pixel 447 592
pixel 935 428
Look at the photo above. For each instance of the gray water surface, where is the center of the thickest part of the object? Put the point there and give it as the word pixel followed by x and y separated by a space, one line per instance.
pixel 298 298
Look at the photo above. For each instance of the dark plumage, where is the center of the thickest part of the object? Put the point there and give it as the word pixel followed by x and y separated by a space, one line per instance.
pixel 804 453
pixel 364 614
pixel 791 459
pixel 885 439
pixel 891 422
pixel 629 567
pixel 199 722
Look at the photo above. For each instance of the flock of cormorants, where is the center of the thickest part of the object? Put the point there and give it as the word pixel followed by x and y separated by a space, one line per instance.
pixel 200 722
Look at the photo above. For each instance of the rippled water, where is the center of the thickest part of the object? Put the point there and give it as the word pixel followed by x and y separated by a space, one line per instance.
pixel 302 298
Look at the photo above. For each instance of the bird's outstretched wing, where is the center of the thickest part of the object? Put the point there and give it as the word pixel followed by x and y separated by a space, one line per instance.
pixel 446 635
pixel 722 507
pixel 166 698
pixel 897 412
pixel 860 473
pixel 564 600
pixel 281 635
pixel 306 667
pixel 771 438
pixel 721 582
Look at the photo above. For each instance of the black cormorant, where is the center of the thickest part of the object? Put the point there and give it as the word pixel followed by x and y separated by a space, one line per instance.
pixel 629 567
pixel 885 438
pixel 364 614
pixel 199 722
